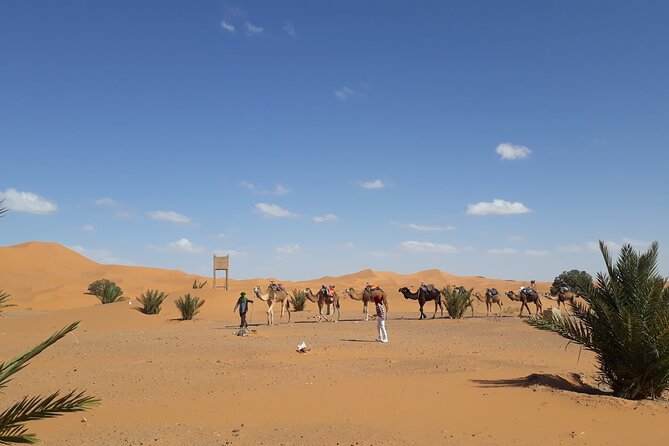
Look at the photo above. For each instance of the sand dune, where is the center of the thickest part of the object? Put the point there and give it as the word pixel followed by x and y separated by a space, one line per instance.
pixel 474 381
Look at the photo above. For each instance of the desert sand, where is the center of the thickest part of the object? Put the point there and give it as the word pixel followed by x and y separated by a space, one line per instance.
pixel 488 381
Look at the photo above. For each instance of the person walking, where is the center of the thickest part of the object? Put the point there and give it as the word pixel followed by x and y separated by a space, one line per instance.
pixel 381 313
pixel 243 304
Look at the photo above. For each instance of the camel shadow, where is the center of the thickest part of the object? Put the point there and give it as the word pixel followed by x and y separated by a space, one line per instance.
pixel 575 383
pixel 357 340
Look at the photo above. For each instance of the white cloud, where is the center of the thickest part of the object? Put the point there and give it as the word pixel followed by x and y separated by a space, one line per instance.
pixel 639 244
pixel 534 252
pixel 513 152
pixel 428 247
pixel 26 202
pixel 184 245
pixel 170 216
pixel 376 184
pixel 425 228
pixel 502 251
pixel 497 207
pixel 106 202
pixel 89 228
pixel 289 28
pixel 288 249
pixel 252 30
pixel 247 185
pixel 227 26
pixel 325 218
pixel 231 253
pixel 349 245
pixel 515 238
pixel 273 210
pixel 570 248
pixel 278 190
pixel 344 93
pixel 219 236
pixel 97 255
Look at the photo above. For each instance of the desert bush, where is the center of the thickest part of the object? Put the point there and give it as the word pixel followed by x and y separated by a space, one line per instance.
pixel 574 279
pixel 457 301
pixel 4 301
pixel 106 290
pixel 151 301
pixel 625 322
pixel 13 419
pixel 188 306
pixel 297 299
pixel 199 285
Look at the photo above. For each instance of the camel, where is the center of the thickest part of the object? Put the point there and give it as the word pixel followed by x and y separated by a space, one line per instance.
pixel 492 296
pixel 372 292
pixel 563 296
pixel 526 295
pixel 425 293
pixel 324 299
pixel 350 292
pixel 274 294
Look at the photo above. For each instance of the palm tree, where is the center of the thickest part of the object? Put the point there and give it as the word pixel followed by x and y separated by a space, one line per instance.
pixel 625 322
pixel 30 408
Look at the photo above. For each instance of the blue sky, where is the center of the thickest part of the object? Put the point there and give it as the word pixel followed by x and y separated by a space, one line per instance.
pixel 320 138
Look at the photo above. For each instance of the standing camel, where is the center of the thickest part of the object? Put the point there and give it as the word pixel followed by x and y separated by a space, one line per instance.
pixel 371 292
pixel 492 296
pixel 323 298
pixel 526 295
pixel 350 292
pixel 274 294
pixel 563 296
pixel 425 293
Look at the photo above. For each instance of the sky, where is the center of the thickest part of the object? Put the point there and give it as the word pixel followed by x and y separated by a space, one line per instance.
pixel 493 138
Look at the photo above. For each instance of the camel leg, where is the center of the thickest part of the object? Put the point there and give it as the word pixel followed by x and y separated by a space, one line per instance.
pixel 435 310
pixel 441 307
pixel 270 314
pixel 288 310
pixel 523 305
pixel 500 308
pixel 488 305
pixel 365 310
pixel 422 315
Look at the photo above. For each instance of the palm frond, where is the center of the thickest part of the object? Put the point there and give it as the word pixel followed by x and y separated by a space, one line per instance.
pixel 7 369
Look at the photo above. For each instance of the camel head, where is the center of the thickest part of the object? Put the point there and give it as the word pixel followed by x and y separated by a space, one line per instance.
pixel 511 295
pixel 256 290
pixel 404 290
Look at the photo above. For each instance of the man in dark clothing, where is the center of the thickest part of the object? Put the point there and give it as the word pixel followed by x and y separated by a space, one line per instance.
pixel 243 304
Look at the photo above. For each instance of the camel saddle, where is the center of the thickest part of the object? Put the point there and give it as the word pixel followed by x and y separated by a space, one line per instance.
pixel 328 291
pixel 428 288
pixel 370 288
pixel 277 287
pixel 493 291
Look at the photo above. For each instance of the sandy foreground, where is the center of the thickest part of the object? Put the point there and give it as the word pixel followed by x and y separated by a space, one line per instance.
pixel 492 381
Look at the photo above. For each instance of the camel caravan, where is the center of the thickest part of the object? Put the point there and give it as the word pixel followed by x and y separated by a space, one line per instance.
pixel 328 299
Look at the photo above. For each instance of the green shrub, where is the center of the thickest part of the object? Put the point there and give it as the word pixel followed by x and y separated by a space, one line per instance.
pixel 106 290
pixel 297 299
pixel 574 279
pixel 4 301
pixel 199 285
pixel 625 322
pixel 457 300
pixel 188 306
pixel 13 419
pixel 151 301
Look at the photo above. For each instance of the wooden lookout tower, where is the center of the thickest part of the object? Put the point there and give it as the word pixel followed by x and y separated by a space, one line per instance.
pixel 221 263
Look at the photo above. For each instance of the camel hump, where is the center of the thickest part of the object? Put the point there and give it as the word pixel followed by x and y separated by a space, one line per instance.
pixel 429 288
pixel 277 287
